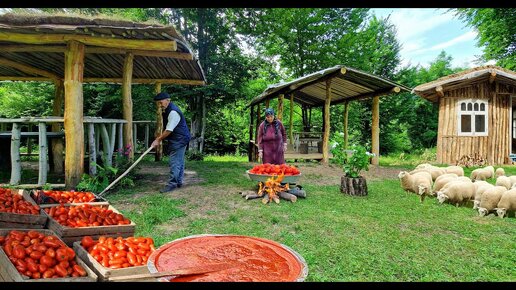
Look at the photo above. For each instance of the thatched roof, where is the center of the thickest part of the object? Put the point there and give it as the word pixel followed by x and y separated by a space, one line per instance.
pixel 347 84
pixel 465 78
pixel 39 41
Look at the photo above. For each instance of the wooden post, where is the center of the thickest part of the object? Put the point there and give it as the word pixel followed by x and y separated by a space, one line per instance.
pixel 250 149
pixel 73 113
pixel 97 140
pixel 108 157
pixel 375 128
pixel 258 121
pixel 146 140
pixel 267 102
pixel 57 143
pixel 326 132
pixel 112 138
pixel 15 155
pixel 43 154
pixel 121 138
pixel 29 140
pixel 92 149
pixel 279 115
pixel 159 125
pixel 346 112
pixel 291 120
pixel 135 135
pixel 128 102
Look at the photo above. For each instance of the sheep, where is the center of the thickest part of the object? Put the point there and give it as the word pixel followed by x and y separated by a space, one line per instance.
pixel 419 183
pixel 489 200
pixel 456 192
pixel 491 170
pixel 504 181
pixel 499 172
pixel 481 187
pixel 423 166
pixel 454 169
pixel 434 171
pixel 513 180
pixel 480 174
pixel 442 181
pixel 507 203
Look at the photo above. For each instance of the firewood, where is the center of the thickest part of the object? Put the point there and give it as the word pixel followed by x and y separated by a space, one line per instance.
pixel 276 199
pixel 265 198
pixel 252 196
pixel 287 196
pixel 247 192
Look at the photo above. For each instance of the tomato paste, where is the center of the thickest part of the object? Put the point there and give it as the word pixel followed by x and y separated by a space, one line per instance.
pixel 242 258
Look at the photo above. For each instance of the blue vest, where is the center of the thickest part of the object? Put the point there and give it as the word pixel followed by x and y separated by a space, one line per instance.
pixel 181 135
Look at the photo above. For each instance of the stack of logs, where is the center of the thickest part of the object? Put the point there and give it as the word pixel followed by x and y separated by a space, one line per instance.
pixel 273 190
pixel 472 160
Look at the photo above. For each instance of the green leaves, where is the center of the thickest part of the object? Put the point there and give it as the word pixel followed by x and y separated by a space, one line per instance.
pixel 357 159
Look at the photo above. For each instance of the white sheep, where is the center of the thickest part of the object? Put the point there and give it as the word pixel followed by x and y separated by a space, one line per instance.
pixel 481 187
pixel 442 180
pixel 499 171
pixel 491 170
pixel 503 181
pixel 434 171
pixel 507 203
pixel 489 200
pixel 424 165
pixel 419 183
pixel 454 169
pixel 456 192
pixel 513 180
pixel 480 174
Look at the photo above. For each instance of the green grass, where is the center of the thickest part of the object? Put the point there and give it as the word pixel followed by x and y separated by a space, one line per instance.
pixel 386 236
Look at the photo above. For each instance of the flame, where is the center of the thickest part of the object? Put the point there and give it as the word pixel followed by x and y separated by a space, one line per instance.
pixel 271 188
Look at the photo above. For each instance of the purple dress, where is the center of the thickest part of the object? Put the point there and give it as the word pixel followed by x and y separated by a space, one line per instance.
pixel 271 142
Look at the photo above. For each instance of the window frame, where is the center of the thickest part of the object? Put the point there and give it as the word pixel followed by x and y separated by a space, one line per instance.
pixel 473 113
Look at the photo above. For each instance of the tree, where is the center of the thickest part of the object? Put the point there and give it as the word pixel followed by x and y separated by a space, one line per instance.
pixel 496 32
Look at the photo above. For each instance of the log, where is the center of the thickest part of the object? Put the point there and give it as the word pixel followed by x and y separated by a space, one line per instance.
pixel 252 196
pixel 43 161
pixel 353 186
pixel 246 192
pixel 287 196
pixel 297 192
pixel 92 147
pixel 15 155
pixel 108 156
pixel 265 198
pixel 276 199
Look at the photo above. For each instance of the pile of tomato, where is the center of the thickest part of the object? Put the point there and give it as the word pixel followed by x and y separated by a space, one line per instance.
pixel 37 255
pixel 13 202
pixel 116 253
pixel 85 215
pixel 274 169
pixel 67 196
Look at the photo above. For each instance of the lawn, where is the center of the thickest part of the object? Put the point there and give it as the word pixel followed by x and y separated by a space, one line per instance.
pixel 386 236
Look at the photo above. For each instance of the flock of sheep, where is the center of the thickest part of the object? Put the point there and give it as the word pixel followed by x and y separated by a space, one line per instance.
pixel 450 185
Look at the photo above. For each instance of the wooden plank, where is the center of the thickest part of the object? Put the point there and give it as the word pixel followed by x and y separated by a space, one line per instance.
pixel 127 102
pixel 15 155
pixel 140 44
pixel 10 274
pixel 43 154
pixel 105 273
pixel 73 115
pixel 16 220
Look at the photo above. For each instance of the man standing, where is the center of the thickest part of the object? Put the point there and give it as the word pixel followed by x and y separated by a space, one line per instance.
pixel 176 136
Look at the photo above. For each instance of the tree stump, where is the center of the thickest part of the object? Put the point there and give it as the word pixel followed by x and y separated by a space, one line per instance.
pixel 353 186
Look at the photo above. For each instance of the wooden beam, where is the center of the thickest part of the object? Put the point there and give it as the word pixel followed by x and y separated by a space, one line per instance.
pixel 279 115
pixel 267 102
pixel 146 81
pixel 258 122
pixel 369 95
pixel 375 128
pixel 140 44
pixel 27 69
pixel 73 114
pixel 128 103
pixel 250 147
pixel 159 124
pixel 439 90
pixel 326 131
pixel 139 52
pixel 291 120
pixel 492 77
pixel 346 135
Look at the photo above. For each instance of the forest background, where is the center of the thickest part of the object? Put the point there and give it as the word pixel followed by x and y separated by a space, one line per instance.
pixel 243 50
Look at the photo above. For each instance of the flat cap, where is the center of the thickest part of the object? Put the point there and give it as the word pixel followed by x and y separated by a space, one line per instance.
pixel 161 96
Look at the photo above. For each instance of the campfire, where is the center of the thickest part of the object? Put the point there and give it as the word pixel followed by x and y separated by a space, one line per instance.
pixel 273 190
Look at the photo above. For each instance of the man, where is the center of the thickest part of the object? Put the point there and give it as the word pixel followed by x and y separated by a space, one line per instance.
pixel 176 136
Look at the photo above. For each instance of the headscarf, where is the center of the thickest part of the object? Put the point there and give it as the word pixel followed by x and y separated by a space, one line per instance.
pixel 268 112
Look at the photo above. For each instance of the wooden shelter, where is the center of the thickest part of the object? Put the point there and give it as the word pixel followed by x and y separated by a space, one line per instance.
pixel 331 86
pixel 476 114
pixel 72 50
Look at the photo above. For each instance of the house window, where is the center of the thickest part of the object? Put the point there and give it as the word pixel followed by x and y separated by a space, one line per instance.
pixel 472 117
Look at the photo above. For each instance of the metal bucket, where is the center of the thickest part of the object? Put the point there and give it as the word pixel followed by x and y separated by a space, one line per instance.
pixel 165 259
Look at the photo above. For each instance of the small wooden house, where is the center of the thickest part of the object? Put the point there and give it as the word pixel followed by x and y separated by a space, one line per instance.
pixel 476 114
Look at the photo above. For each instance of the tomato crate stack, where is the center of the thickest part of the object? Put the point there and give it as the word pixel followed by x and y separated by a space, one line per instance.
pixel 19 211
pixel 72 222
pixel 50 198
pixel 38 255
pixel 116 259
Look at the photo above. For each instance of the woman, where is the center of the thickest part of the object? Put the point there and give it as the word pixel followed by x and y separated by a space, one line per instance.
pixel 272 140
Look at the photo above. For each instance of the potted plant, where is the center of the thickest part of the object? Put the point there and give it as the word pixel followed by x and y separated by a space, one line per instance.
pixel 355 160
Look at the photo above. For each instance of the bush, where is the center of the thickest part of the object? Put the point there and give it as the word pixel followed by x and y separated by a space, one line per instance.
pixel 194 155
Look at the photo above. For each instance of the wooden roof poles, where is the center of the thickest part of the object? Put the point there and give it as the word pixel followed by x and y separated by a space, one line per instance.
pixel 128 103
pixel 375 130
pixel 326 131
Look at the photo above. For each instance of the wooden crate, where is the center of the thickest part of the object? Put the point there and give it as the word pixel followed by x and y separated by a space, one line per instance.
pixel 9 273
pixel 105 273
pixel 70 235
pixel 30 196
pixel 27 221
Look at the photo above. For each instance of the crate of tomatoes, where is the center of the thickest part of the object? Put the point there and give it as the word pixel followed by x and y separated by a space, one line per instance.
pixel 116 259
pixel 17 211
pixel 50 198
pixel 72 222
pixel 38 255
